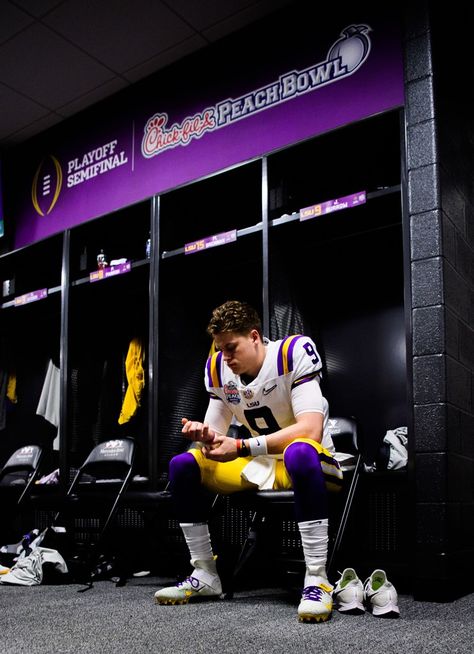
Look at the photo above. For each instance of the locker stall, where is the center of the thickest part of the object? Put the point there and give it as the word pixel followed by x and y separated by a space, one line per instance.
pixel 108 316
pixel 191 285
pixel 30 325
pixel 338 276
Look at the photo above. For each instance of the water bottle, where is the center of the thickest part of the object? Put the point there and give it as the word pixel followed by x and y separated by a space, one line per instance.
pixel 101 260
pixel 148 248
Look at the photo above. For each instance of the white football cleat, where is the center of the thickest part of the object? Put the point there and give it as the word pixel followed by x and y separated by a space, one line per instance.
pixel 201 584
pixel 316 603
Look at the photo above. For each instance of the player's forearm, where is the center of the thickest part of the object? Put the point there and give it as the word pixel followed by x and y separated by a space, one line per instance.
pixel 309 426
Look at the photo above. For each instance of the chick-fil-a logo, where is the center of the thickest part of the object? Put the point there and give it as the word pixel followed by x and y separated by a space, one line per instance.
pixel 344 58
pixel 159 137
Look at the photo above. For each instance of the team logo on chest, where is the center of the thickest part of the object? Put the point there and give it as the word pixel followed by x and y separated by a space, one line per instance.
pixel 247 393
pixel 231 393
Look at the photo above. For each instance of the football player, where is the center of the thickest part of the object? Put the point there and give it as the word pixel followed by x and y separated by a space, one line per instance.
pixel 273 389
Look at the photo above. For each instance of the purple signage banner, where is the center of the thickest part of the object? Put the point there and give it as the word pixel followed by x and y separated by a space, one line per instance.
pixel 110 271
pixel 211 242
pixel 337 76
pixel 330 206
pixel 33 296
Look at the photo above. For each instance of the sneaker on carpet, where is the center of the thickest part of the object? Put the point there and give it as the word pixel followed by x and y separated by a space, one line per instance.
pixel 316 603
pixel 201 584
pixel 380 595
pixel 348 594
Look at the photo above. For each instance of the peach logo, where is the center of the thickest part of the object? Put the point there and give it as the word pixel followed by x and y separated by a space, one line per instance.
pixel 47 184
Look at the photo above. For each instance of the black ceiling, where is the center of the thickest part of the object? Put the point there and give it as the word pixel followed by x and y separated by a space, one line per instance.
pixel 58 57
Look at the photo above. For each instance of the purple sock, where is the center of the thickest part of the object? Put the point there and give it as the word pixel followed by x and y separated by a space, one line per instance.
pixel 304 467
pixel 190 498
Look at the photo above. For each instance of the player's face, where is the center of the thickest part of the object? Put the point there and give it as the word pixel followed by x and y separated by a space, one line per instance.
pixel 239 351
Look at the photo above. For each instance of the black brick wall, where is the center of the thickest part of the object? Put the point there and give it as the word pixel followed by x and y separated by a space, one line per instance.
pixel 439 70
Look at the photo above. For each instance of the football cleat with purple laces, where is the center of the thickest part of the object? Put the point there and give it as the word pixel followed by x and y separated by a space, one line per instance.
pixel 200 585
pixel 316 603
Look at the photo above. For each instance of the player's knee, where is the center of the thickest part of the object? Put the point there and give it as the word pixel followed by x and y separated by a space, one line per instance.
pixel 301 458
pixel 182 466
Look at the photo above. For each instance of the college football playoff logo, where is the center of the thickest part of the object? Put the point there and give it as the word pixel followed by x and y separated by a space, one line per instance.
pixel 46 187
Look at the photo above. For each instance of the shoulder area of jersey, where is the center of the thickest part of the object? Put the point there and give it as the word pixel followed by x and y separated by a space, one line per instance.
pixel 295 340
pixel 293 350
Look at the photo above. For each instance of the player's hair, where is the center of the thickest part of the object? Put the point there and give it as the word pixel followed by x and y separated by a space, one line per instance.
pixel 234 316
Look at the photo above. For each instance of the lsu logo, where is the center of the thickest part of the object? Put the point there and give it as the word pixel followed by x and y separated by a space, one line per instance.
pixel 47 184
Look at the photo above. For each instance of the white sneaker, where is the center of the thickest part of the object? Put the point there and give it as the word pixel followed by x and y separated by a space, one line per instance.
pixel 380 595
pixel 201 584
pixel 348 594
pixel 316 603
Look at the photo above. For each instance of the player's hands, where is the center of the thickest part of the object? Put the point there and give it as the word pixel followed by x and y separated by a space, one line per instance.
pixel 222 448
pixel 215 446
pixel 197 431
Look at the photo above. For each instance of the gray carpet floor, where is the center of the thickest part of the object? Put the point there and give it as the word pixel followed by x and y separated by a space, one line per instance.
pixel 107 619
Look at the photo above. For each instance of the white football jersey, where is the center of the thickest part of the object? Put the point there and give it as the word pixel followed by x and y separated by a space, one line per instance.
pixel 286 386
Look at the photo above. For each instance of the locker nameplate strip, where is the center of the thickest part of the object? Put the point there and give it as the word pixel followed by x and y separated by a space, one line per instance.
pixel 211 242
pixel 33 296
pixel 111 271
pixel 330 206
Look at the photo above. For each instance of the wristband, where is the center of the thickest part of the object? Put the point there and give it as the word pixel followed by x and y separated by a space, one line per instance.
pixel 244 450
pixel 257 445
